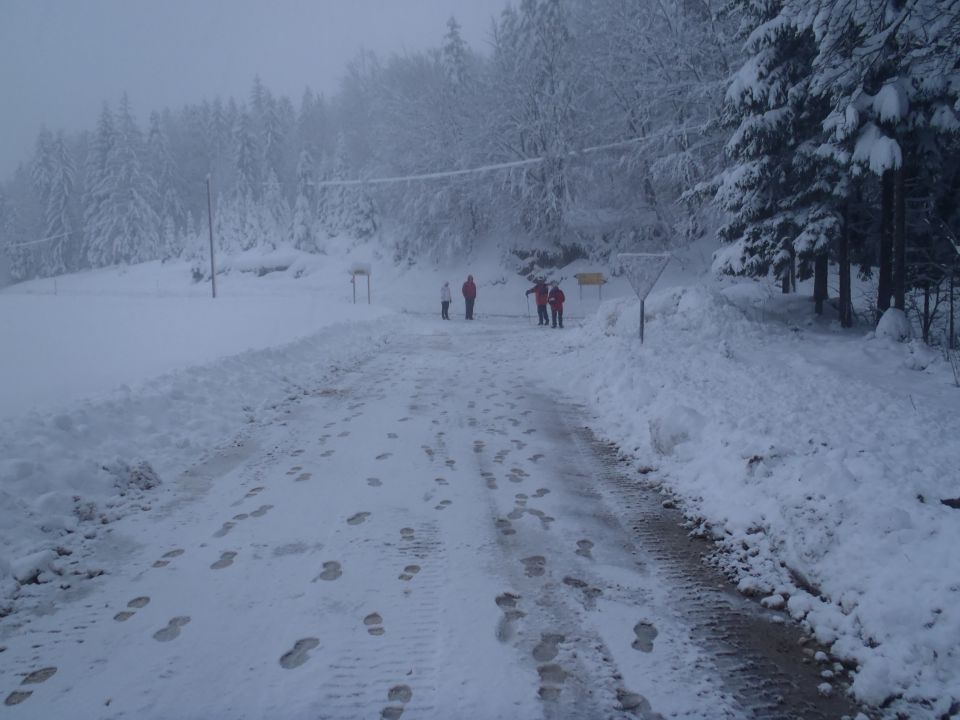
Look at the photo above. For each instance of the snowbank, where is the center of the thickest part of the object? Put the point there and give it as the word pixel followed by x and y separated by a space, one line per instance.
pixel 818 463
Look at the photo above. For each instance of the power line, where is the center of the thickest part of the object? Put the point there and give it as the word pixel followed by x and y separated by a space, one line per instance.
pixel 41 240
pixel 509 165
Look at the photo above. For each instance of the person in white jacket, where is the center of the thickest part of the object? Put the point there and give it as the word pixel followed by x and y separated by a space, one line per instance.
pixel 445 301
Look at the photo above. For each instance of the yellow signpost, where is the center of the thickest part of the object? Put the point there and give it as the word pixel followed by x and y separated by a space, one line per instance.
pixel 591 278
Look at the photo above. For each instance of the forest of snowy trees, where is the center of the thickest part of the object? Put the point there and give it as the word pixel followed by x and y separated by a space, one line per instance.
pixel 811 135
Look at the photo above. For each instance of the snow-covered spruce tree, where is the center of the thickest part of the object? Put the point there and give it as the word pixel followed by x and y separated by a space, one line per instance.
pixel 884 66
pixel 61 253
pixel 349 209
pixel 125 227
pixel 304 233
pixel 274 215
pixel 99 174
pixel 659 71
pixel 23 223
pixel 425 115
pixel 162 168
pixel 776 208
pixel 534 95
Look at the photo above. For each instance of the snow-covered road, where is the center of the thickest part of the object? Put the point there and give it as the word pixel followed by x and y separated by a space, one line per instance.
pixel 433 535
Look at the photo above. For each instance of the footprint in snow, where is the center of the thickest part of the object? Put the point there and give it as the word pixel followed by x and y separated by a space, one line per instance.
pixel 299 654
pixel 173 553
pixel 441 481
pixel 406 533
pixel 443 505
pixel 161 563
pixel 392 436
pixel 36 677
pixel 540 492
pixel 374 624
pixel 261 511
pixel 227 527
pixel 344 433
pixel 505 527
pixel 226 560
pixel 241 516
pixel 384 455
pixel 507 602
pixel 548 648
pixel 584 547
pixel 409 571
pixel 534 566
pixel 326 453
pixel 297 453
pixel 331 571
pixel 552 678
pixel 398 694
pixel 646 633
pixel 358 518
pixel 302 477
pixel 254 491
pixel 172 630
pixel 294 470
pixel 374 482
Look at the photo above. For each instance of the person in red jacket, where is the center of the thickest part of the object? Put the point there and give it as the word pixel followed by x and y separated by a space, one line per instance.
pixel 556 298
pixel 540 291
pixel 469 295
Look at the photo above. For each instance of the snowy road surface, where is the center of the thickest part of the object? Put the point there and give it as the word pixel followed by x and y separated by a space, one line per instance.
pixel 434 535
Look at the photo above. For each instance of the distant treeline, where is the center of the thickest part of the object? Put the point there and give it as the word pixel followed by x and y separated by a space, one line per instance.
pixel 817 132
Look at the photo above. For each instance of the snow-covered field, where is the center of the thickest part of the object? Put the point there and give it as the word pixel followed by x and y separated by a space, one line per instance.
pixel 816 458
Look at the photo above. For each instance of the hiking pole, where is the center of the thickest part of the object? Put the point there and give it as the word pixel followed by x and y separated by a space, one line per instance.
pixel 529 321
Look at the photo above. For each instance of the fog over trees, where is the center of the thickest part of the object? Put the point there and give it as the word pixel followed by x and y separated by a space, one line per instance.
pixel 805 133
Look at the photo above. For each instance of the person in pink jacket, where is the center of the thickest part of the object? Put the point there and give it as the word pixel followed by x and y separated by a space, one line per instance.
pixel 556 298
pixel 469 295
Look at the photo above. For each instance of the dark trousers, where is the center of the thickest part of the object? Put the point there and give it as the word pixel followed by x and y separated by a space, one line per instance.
pixel 444 306
pixel 557 316
pixel 542 315
pixel 469 303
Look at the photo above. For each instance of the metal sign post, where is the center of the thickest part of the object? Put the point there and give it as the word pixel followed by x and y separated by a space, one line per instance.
pixel 360 270
pixel 643 270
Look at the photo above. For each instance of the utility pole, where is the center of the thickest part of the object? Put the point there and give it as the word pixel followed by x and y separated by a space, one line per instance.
pixel 213 269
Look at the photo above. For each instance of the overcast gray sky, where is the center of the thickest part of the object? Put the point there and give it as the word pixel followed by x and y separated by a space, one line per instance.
pixel 60 59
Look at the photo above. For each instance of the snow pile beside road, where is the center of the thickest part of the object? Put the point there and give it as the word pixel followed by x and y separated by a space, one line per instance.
pixel 818 463
pixel 65 474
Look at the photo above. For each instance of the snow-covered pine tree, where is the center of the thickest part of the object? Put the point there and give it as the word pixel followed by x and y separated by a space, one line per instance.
pixel 162 168
pixel 534 108
pixel 304 232
pixel 100 181
pixel 274 214
pixel 776 210
pixel 126 228
pixel 61 253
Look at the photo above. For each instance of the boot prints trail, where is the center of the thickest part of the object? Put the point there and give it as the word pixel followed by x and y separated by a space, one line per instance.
pixel 434 536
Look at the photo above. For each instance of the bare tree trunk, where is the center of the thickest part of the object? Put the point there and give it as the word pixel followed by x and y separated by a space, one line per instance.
pixel 885 259
pixel 900 242
pixel 843 259
pixel 952 341
pixel 821 267
pixel 927 320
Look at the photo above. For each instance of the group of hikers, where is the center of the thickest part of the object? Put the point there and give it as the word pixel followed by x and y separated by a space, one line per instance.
pixel 544 295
